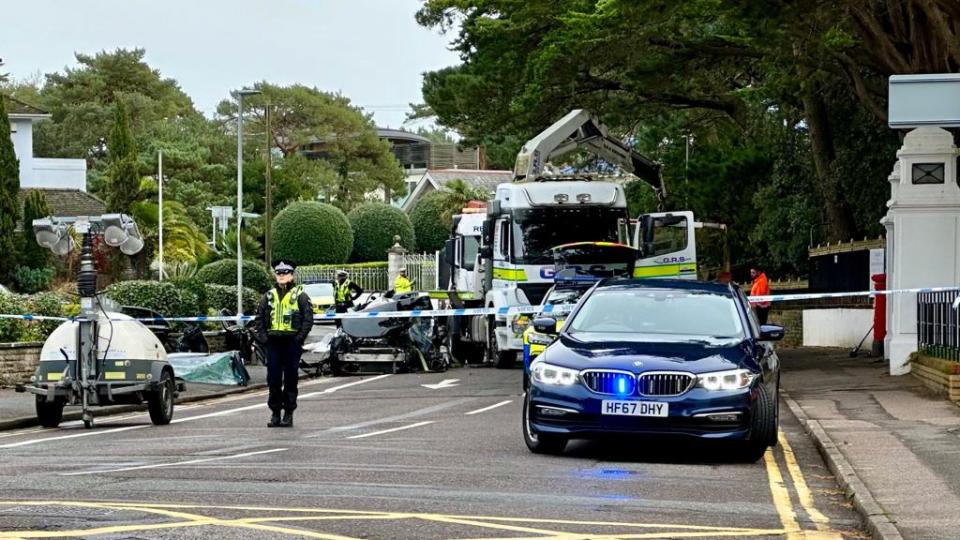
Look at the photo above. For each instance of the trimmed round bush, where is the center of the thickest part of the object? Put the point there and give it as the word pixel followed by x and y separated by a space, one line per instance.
pixel 164 297
pixel 224 272
pixel 430 228
pixel 374 226
pixel 14 330
pixel 310 232
pixel 194 291
pixel 225 297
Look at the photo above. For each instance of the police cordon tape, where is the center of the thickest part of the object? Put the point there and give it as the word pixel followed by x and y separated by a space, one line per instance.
pixel 460 312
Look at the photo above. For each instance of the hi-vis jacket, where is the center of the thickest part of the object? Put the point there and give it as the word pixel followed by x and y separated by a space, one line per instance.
pixel 284 313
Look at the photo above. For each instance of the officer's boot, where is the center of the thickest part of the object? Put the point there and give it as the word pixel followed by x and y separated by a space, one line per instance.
pixel 287 419
pixel 275 420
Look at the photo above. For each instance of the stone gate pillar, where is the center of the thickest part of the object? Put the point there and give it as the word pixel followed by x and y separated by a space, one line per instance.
pixel 394 260
pixel 923 230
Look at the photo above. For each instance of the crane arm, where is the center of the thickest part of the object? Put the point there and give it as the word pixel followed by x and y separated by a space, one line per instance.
pixel 581 129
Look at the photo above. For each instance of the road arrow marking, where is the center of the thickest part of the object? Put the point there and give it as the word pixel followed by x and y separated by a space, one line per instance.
pixel 446 383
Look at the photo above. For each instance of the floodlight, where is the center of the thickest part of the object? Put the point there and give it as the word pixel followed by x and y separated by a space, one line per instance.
pixel 64 246
pixel 114 229
pixel 134 242
pixel 46 233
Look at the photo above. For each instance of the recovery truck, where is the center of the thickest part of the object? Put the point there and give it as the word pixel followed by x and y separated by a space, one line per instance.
pixel 502 257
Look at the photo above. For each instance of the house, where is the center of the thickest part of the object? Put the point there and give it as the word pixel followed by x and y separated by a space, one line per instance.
pixel 67 202
pixel 435 180
pixel 40 172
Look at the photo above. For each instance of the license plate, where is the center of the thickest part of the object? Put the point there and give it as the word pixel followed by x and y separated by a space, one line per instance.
pixel 634 408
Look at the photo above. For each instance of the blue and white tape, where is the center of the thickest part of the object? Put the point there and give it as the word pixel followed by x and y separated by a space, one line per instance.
pixel 503 311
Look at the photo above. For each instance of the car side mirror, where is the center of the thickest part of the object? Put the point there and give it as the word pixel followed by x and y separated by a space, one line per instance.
pixel 771 332
pixel 545 325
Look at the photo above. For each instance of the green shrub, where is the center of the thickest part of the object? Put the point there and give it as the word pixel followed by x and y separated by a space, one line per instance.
pixel 163 297
pixel 429 225
pixel 195 291
pixel 32 280
pixel 13 330
pixel 224 272
pixel 225 297
pixel 310 232
pixel 374 226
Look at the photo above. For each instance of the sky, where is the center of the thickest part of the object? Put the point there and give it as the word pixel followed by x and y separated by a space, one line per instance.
pixel 372 51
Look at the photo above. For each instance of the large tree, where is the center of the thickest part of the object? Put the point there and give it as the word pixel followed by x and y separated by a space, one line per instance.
pixel 123 187
pixel 9 198
pixel 526 63
pixel 34 207
pixel 326 127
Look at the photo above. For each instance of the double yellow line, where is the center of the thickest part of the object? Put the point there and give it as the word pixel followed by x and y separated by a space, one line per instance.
pixel 781 496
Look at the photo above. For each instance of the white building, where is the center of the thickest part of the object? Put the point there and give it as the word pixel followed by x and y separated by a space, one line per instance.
pixel 40 172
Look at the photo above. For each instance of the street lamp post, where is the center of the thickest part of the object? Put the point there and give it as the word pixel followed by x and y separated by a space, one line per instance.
pixel 240 94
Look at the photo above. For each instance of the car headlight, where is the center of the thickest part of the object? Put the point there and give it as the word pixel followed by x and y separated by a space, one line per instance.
pixel 519 324
pixel 733 379
pixel 550 374
pixel 539 339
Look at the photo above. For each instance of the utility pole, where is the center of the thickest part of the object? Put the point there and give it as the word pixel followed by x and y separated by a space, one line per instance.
pixel 268 235
pixel 240 94
pixel 160 185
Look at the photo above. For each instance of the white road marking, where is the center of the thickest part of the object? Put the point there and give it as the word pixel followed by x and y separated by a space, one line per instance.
pixel 348 385
pixel 176 464
pixel 86 433
pixel 446 383
pixel 401 428
pixel 89 433
pixel 494 406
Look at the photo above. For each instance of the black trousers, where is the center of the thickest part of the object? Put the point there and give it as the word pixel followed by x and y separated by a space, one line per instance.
pixel 283 365
pixel 762 314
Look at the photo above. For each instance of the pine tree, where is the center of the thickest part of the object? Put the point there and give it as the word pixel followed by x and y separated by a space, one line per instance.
pixel 124 171
pixel 9 198
pixel 34 207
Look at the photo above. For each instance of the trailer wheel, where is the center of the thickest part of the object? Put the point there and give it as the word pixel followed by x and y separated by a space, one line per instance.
pixel 160 402
pixel 49 413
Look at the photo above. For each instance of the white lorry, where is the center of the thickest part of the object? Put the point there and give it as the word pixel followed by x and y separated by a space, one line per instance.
pixel 501 257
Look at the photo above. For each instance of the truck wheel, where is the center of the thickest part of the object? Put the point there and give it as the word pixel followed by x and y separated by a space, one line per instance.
pixel 160 402
pixel 501 359
pixel 540 443
pixel 49 413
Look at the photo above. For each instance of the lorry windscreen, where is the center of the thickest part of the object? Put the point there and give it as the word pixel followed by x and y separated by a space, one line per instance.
pixel 537 230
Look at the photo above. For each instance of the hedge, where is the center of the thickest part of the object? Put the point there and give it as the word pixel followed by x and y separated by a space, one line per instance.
pixel 164 297
pixel 225 297
pixel 224 272
pixel 13 330
pixel 310 232
pixel 374 226
pixel 429 226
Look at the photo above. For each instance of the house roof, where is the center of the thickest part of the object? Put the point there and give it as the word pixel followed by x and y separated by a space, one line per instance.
pixel 69 202
pixel 438 178
pixel 18 108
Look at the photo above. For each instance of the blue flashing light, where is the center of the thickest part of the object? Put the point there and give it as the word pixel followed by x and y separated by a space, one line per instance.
pixel 621 385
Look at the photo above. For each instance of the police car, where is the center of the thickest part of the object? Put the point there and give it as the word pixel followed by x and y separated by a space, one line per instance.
pixel 564 294
pixel 656 358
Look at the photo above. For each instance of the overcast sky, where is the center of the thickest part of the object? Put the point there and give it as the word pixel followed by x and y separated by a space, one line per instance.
pixel 372 51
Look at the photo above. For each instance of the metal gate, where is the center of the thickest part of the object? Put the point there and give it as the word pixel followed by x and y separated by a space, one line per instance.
pixel 371 279
pixel 422 269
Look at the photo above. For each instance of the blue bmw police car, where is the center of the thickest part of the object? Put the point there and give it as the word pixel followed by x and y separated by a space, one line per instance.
pixel 656 358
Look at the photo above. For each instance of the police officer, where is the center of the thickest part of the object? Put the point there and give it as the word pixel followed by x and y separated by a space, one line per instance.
pixel 284 319
pixel 346 292
pixel 402 284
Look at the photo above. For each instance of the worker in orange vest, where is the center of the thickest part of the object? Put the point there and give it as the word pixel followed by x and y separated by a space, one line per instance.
pixel 760 288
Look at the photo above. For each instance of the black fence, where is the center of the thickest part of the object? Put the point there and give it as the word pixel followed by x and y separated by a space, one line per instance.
pixel 938 325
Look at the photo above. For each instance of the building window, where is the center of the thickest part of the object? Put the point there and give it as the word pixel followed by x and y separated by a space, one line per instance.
pixel 928 173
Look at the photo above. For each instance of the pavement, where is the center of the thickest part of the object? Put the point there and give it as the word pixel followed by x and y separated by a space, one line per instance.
pixel 410 456
pixel 894 445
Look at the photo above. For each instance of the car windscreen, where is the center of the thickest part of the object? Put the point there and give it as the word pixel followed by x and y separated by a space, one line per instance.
pixel 538 230
pixel 666 313
pixel 317 290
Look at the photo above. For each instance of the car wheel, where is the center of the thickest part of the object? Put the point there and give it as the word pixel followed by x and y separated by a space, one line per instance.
pixel 763 426
pixel 160 402
pixel 502 359
pixel 540 443
pixel 49 413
